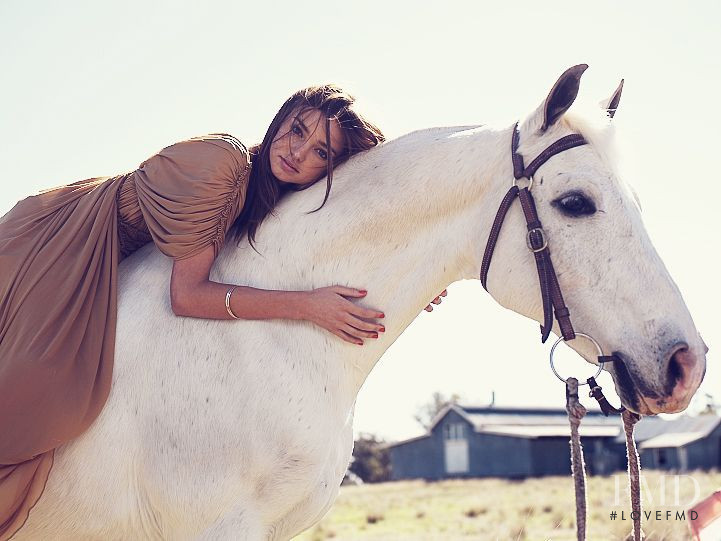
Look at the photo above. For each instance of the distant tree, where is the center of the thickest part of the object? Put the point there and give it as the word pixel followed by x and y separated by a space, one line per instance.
pixel 711 405
pixel 427 412
pixel 370 461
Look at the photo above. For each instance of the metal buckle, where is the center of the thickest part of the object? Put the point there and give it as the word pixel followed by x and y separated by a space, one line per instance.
pixel 530 182
pixel 543 238
pixel 587 337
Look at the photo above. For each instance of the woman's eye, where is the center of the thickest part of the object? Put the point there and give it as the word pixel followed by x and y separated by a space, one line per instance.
pixel 296 129
pixel 575 204
pixel 323 154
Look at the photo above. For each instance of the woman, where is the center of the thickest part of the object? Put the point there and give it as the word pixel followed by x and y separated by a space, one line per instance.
pixel 59 253
pixel 314 131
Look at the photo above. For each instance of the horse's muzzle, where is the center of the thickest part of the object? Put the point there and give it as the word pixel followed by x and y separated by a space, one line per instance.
pixel 685 369
pixel 682 370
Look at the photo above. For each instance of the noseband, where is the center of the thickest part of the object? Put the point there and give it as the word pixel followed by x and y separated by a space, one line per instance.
pixel 537 242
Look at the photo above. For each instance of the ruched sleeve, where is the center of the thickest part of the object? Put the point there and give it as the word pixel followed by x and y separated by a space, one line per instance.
pixel 190 193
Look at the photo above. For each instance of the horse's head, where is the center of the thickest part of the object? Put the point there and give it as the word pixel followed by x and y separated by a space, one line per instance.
pixel 612 279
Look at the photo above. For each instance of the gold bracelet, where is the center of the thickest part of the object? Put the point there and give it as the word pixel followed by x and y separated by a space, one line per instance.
pixel 227 302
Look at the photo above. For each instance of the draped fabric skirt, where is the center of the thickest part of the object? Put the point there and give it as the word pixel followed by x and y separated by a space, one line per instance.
pixel 58 272
pixel 59 255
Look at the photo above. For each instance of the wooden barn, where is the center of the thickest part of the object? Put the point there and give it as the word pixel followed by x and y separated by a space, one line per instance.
pixel 516 443
pixel 687 443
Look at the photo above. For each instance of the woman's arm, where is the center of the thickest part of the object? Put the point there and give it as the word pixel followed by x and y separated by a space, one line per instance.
pixel 192 294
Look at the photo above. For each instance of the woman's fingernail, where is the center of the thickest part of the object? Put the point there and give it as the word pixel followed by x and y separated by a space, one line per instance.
pixel 382 329
pixel 359 343
pixel 375 335
pixel 381 315
pixel 363 292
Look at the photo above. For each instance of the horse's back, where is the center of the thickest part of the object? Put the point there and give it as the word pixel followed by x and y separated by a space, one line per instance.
pixel 197 424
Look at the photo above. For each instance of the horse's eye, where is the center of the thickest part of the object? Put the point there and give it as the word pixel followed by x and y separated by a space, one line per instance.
pixel 575 204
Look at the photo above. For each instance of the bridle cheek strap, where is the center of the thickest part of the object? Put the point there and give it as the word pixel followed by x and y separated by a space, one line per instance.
pixel 551 296
pixel 550 289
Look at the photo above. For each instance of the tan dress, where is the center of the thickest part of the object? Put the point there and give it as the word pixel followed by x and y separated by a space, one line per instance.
pixel 59 254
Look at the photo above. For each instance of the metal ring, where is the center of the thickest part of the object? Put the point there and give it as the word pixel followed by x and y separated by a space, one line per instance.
pixel 530 182
pixel 587 337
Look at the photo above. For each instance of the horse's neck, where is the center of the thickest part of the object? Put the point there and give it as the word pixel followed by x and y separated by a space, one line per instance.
pixel 430 223
pixel 403 221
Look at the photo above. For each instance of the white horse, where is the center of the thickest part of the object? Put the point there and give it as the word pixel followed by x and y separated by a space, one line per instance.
pixel 243 430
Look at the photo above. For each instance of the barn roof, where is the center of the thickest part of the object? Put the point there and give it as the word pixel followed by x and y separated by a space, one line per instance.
pixel 682 431
pixel 586 431
pixel 675 439
pixel 647 428
pixel 403 442
pixel 650 432
pixel 483 421
pixel 481 417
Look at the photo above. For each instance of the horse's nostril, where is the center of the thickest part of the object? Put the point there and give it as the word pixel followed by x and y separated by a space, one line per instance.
pixel 679 365
pixel 675 371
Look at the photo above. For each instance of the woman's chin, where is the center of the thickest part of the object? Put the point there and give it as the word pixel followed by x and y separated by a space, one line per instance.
pixel 283 177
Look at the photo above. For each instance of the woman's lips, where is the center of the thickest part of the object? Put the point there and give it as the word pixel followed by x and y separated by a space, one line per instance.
pixel 289 168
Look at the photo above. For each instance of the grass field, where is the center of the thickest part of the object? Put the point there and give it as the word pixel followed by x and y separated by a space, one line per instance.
pixel 533 509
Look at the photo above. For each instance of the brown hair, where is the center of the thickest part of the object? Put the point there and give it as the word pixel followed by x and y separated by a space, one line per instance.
pixel 264 189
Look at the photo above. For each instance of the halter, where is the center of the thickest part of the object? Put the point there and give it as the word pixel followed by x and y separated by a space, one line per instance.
pixel 553 304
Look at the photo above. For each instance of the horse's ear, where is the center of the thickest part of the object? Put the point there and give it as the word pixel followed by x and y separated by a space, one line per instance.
pixel 562 95
pixel 611 104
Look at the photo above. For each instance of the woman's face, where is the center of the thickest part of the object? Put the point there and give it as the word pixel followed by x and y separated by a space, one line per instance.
pixel 298 154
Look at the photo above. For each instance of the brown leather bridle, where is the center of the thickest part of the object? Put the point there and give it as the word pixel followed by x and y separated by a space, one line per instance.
pixel 552 298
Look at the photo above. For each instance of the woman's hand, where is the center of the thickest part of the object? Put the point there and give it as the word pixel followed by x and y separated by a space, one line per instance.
pixel 329 308
pixel 437 300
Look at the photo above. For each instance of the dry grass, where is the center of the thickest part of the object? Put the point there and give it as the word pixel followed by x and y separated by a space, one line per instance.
pixel 496 509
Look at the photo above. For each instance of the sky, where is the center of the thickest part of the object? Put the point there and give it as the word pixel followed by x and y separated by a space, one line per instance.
pixel 94 88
